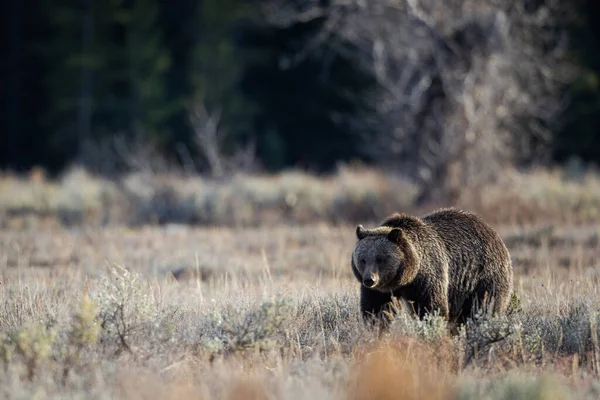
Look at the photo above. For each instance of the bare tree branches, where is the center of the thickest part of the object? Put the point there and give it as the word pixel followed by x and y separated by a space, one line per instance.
pixel 462 85
pixel 209 138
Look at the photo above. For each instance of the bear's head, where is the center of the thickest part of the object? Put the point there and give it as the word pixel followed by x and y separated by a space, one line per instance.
pixel 384 258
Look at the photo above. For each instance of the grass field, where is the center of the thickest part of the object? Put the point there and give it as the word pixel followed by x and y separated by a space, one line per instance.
pixel 138 310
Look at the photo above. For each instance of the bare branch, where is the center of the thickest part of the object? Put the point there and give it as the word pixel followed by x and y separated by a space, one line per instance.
pixel 208 136
pixel 460 83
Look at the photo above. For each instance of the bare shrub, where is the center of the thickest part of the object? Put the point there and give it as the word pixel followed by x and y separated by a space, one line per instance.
pixel 124 309
pixel 464 87
pixel 210 139
pixel 259 329
pixel 483 331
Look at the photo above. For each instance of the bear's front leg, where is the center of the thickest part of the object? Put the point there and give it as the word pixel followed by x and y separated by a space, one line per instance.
pixel 440 304
pixel 373 303
pixel 436 301
pixel 435 294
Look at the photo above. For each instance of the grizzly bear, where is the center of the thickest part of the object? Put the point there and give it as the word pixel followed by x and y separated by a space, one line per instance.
pixel 449 261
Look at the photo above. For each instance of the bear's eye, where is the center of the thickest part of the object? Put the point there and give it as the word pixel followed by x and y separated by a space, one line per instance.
pixel 362 261
pixel 379 260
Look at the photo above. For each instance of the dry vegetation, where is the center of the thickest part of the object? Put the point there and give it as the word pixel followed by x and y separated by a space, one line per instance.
pixel 350 195
pixel 99 307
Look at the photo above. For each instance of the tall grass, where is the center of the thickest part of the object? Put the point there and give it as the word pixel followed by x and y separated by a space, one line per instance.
pixel 97 314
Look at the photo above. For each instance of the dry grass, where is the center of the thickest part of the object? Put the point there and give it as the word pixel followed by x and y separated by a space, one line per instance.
pixel 402 368
pixel 271 312
pixel 350 195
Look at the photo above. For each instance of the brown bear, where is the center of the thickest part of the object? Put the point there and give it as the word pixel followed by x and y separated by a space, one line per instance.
pixel 449 261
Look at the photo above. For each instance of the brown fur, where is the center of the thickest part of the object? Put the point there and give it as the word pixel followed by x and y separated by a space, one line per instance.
pixel 448 261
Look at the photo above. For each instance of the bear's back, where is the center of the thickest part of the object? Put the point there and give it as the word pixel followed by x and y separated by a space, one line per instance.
pixel 478 258
pixel 465 233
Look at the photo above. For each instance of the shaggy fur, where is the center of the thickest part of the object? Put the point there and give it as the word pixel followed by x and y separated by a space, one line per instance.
pixel 450 261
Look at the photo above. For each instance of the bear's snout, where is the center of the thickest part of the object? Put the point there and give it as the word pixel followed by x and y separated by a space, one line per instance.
pixel 370 279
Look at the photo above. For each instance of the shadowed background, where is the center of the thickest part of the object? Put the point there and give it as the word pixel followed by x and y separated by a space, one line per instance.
pixel 447 97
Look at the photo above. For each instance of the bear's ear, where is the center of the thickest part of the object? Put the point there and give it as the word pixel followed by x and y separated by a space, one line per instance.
pixel 395 235
pixel 360 232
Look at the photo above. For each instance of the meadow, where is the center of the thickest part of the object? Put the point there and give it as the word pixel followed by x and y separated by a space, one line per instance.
pixel 177 287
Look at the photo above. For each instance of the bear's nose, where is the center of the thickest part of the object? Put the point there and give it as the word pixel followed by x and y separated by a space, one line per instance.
pixel 370 280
